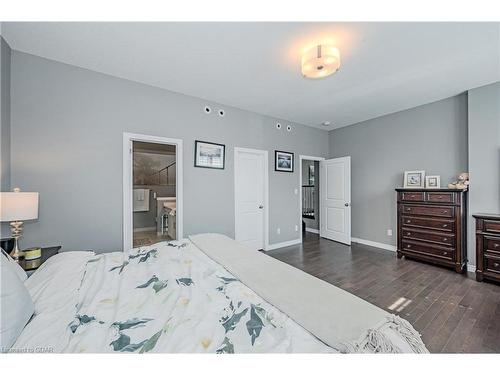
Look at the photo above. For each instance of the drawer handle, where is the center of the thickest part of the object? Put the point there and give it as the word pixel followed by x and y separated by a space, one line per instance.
pixel 408 221
pixel 408 233
pixel 408 246
pixel 496 265
pixel 445 225
pixel 445 211
pixel 445 239
pixel 408 209
pixel 445 253
pixel 495 245
pixel 412 196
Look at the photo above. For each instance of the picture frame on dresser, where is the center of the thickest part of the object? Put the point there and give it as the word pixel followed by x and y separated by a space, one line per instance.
pixel 433 182
pixel 432 226
pixel 414 180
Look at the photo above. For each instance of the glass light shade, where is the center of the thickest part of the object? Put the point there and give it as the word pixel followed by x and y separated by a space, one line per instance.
pixel 18 206
pixel 320 61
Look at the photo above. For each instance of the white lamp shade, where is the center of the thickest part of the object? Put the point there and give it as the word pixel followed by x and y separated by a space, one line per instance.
pixel 18 206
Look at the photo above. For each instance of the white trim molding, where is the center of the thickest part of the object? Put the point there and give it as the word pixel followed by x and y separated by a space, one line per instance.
pixel 279 245
pixel 311 230
pixel 305 157
pixel 380 245
pixel 128 185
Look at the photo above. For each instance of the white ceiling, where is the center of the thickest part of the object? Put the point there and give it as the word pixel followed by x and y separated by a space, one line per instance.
pixel 386 67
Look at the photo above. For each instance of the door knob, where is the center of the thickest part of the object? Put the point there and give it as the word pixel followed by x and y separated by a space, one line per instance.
pixel 261 207
pixel 346 204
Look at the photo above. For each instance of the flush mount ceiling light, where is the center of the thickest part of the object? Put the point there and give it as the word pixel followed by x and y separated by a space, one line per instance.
pixel 320 61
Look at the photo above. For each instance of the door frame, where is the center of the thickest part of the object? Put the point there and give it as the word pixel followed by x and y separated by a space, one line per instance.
pixel 128 184
pixel 266 190
pixel 313 158
pixel 350 201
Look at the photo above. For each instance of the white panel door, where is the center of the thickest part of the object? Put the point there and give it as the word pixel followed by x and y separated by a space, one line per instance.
pixel 249 194
pixel 335 203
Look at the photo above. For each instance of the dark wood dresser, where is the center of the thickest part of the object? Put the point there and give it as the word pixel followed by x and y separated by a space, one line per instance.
pixel 432 226
pixel 487 247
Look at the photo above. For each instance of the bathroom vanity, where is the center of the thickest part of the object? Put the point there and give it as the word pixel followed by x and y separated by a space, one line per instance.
pixel 166 216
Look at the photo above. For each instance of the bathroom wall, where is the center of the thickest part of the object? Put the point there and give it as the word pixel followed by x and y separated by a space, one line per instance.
pixel 146 163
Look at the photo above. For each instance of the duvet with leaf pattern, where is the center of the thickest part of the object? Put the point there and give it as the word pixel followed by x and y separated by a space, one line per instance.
pixel 168 297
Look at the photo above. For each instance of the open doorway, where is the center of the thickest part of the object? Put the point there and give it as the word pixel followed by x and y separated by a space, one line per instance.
pixel 309 195
pixel 152 190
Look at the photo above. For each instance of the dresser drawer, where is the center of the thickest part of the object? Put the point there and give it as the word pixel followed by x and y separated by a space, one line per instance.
pixel 492 245
pixel 440 197
pixel 492 264
pixel 441 211
pixel 427 249
pixel 412 196
pixel 425 222
pixel 492 226
pixel 446 239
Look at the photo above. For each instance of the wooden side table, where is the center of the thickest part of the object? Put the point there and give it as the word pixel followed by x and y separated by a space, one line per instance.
pixel 487 247
pixel 32 265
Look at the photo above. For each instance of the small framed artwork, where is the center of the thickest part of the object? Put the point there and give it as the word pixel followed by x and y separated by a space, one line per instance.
pixel 432 182
pixel 209 155
pixel 414 179
pixel 283 161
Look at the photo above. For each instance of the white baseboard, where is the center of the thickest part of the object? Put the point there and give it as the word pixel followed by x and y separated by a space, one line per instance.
pixel 374 244
pixel 282 244
pixel 146 229
pixel 311 230
pixel 471 268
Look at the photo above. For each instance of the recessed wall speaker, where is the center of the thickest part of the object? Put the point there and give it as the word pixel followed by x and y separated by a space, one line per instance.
pixel 278 126
pixel 288 128
pixel 208 109
pixel 221 112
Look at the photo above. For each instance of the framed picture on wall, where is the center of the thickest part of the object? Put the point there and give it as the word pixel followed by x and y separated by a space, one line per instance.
pixel 414 179
pixel 283 161
pixel 209 155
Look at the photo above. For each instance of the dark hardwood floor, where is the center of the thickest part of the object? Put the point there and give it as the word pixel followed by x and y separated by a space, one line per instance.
pixel 453 312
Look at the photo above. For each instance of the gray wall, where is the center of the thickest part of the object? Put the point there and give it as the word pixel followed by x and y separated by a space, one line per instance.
pixel 431 137
pixel 484 155
pixel 67 126
pixel 5 129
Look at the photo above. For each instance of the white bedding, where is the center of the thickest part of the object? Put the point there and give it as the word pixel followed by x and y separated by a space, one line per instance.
pixel 167 297
pixel 160 298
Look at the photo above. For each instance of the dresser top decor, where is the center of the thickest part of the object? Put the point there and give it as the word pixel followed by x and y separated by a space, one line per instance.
pixel 432 226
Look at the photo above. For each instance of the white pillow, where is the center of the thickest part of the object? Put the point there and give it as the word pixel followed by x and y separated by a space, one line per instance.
pixel 17 268
pixel 16 306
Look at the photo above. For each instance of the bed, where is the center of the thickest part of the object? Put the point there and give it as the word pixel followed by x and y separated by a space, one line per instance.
pixel 205 294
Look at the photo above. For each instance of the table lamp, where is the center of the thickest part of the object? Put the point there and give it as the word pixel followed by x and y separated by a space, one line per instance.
pixel 15 207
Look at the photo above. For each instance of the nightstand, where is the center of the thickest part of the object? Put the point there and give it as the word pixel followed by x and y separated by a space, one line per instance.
pixel 32 265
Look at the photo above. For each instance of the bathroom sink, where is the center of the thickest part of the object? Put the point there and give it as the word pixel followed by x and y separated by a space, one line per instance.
pixel 170 204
